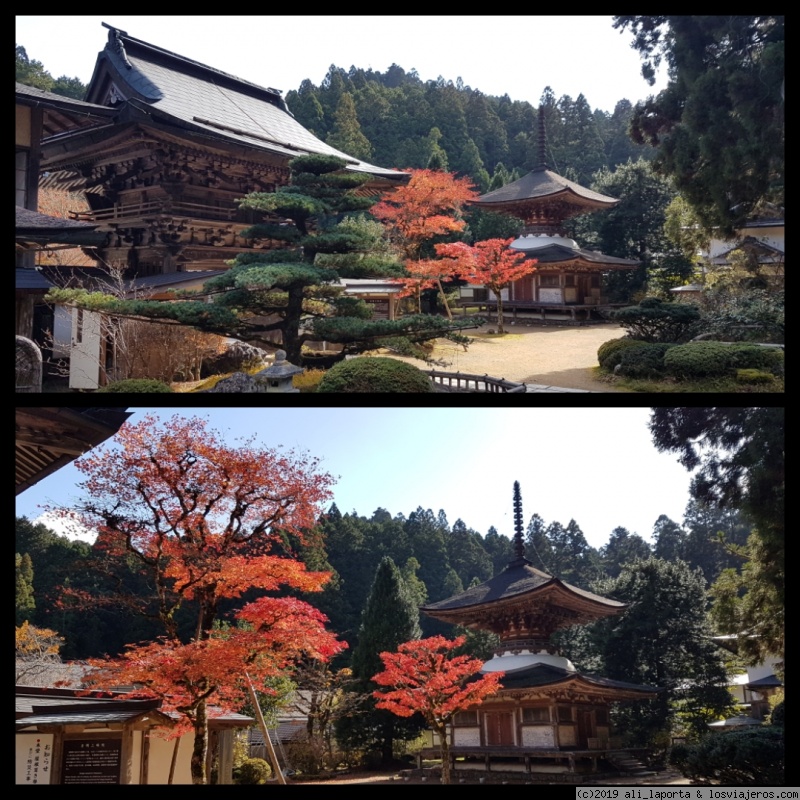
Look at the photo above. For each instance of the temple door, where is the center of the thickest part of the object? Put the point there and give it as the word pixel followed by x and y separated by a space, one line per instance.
pixel 585 727
pixel 500 728
pixel 523 289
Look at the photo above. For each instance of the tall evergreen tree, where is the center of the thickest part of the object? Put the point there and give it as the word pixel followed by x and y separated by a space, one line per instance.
pixel 500 549
pixel 670 539
pixel 623 548
pixel 390 617
pixel 25 604
pixel 346 134
pixel 538 549
pixel 663 639
pixel 719 124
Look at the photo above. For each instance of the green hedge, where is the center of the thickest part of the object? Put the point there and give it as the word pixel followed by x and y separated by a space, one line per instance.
pixel 655 320
pixel 646 360
pixel 734 758
pixel 252 771
pixel 609 353
pixel 712 359
pixel 137 385
pixel 375 375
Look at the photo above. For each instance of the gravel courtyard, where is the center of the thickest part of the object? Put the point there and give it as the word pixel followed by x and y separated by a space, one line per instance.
pixel 551 355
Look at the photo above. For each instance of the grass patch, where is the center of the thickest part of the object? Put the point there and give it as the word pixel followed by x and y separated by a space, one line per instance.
pixel 727 385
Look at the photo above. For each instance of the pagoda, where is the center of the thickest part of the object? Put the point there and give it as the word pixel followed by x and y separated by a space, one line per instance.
pixel 568 278
pixel 546 711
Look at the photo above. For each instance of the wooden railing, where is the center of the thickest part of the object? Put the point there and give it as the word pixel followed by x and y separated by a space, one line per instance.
pixel 135 210
pixel 460 382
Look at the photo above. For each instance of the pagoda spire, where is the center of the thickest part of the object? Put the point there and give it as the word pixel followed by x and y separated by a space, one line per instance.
pixel 519 543
pixel 542 140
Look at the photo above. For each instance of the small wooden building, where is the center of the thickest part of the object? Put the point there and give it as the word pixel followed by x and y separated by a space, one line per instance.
pixel 547 713
pixel 66 736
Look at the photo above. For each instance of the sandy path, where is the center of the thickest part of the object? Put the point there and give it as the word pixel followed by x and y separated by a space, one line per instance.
pixel 551 355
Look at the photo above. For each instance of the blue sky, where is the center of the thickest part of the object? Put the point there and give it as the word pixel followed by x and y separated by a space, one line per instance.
pixel 514 55
pixel 596 465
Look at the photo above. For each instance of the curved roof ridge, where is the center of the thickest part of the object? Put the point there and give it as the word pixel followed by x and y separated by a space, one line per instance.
pixel 516 580
pixel 541 183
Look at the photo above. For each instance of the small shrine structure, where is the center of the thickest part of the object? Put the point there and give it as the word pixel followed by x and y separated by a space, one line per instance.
pixel 548 717
pixel 568 278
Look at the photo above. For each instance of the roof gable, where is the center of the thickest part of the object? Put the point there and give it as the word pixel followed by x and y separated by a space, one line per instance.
pixel 148 82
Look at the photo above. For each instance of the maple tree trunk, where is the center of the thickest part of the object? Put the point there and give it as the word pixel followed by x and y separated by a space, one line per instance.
pixel 200 744
pixel 499 312
pixel 444 300
pixel 445 756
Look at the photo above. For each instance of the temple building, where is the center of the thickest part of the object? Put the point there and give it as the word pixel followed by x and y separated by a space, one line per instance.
pixel 568 278
pixel 185 142
pixel 548 717
pixel 165 149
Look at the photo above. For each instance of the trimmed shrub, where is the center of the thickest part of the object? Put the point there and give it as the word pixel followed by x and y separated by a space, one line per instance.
pixel 252 771
pixel 375 375
pixel 751 356
pixel 735 758
pixel 645 360
pixel 697 360
pixel 654 320
pixel 609 353
pixel 711 359
pixel 137 385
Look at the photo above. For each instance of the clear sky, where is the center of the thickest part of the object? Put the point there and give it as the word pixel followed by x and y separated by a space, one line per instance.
pixel 514 55
pixel 596 465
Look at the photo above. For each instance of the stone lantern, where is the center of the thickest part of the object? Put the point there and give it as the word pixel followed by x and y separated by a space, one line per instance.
pixel 278 377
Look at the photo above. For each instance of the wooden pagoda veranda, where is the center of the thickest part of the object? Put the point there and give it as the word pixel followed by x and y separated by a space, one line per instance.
pixel 548 719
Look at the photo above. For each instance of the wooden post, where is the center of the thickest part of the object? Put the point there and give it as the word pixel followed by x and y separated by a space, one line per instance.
pixel 174 759
pixel 263 725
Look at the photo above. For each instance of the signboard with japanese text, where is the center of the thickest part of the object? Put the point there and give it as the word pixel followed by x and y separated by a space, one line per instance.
pixel 34 757
pixel 91 760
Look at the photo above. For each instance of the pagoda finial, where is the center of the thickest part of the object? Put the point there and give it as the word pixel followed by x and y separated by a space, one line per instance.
pixel 542 139
pixel 519 544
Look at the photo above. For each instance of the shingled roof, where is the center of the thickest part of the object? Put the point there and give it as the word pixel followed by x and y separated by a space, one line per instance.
pixel 548 675
pixel 541 183
pixel 35 228
pixel 517 581
pixel 557 254
pixel 150 82
pixel 62 113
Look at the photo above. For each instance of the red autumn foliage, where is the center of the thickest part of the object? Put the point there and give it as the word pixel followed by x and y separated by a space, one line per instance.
pixel 278 632
pixel 428 205
pixel 490 263
pixel 200 518
pixel 426 679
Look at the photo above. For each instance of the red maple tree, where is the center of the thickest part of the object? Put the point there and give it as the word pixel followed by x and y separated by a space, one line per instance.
pixel 490 263
pixel 425 677
pixel 429 205
pixel 200 519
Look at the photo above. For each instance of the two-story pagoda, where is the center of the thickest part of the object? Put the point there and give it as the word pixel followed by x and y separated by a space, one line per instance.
pixel 568 278
pixel 547 711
